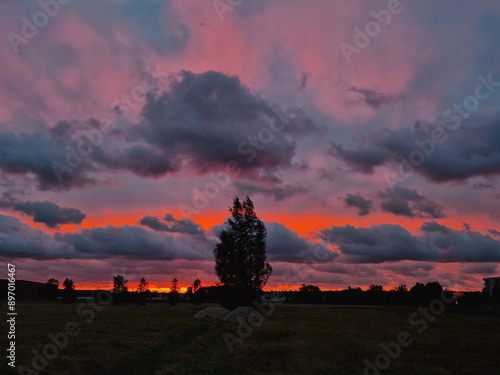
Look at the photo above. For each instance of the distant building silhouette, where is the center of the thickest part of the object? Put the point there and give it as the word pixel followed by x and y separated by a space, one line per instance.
pixel 25 290
pixel 490 283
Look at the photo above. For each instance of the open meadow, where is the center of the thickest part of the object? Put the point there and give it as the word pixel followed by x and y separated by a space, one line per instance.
pixel 297 339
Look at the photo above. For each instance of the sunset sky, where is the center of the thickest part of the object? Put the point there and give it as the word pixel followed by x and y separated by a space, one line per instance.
pixel 367 134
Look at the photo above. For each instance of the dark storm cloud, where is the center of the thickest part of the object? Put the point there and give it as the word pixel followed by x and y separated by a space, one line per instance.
pixel 278 193
pixel 105 153
pixel 466 148
pixel 211 119
pixel 364 206
pixel 408 202
pixel 206 120
pixel 432 226
pixel 59 163
pixel 135 243
pixel 390 242
pixel 24 154
pixel 18 239
pixel 170 224
pixel 286 245
pixel 374 98
pixel 378 243
pixel 141 160
pixel 47 213
pixel 363 159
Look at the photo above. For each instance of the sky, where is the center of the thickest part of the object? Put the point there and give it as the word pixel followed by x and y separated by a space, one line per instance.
pixel 366 133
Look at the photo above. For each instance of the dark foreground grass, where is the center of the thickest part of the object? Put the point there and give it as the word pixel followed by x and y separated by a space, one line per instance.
pixel 159 339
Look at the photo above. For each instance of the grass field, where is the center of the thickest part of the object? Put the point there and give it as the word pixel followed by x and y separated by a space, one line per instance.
pixel 162 339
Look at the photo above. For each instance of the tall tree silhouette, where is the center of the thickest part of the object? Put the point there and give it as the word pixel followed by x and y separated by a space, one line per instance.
pixel 196 285
pixel 143 286
pixel 240 256
pixel 68 284
pixel 119 284
pixel 173 296
pixel 69 293
pixel 174 285
pixel 142 292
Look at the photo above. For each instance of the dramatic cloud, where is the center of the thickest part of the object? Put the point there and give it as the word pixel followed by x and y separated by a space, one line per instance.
pixel 432 226
pixel 211 119
pixel 361 159
pixel 19 240
pixel 450 152
pixel 364 206
pixel 408 202
pixel 169 224
pixel 390 242
pixel 140 160
pixel 208 119
pixel 35 154
pixel 64 158
pixel 136 243
pixel 378 243
pixel 373 98
pixel 284 244
pixel 95 147
pixel 47 213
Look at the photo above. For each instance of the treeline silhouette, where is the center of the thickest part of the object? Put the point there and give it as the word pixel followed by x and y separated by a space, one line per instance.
pixel 120 293
pixel 418 295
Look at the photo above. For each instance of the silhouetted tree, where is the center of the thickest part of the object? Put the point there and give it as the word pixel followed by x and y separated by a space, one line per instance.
pixel 375 288
pixel 69 293
pixel 309 288
pixel 240 256
pixel 196 285
pixel 401 288
pixel 433 290
pixel 422 294
pixel 68 284
pixel 143 286
pixel 418 294
pixel 50 290
pixel 119 284
pixel 120 290
pixel 142 291
pixel 309 294
pixel 174 285
pixel 174 297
